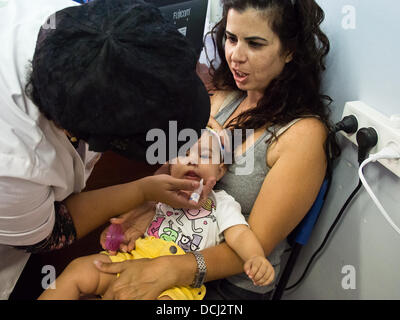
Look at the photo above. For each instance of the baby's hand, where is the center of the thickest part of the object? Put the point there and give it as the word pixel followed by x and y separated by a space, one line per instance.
pixel 130 234
pixel 134 224
pixel 260 270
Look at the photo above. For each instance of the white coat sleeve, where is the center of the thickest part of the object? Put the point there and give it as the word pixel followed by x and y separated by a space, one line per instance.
pixel 27 212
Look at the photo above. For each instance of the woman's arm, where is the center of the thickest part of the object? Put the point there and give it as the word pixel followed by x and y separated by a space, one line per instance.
pixel 91 209
pixel 298 167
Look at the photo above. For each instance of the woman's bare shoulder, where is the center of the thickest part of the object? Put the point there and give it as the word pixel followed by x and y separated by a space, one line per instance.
pixel 307 134
pixel 312 128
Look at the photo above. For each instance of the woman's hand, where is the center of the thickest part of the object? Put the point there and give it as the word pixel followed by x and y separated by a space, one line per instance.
pixel 142 279
pixel 173 191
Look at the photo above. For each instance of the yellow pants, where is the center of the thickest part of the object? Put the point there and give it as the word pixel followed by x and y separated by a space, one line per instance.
pixel 151 247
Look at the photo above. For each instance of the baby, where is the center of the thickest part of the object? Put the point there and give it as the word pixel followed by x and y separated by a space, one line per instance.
pixel 178 231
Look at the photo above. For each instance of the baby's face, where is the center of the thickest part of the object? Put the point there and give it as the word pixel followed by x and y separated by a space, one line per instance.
pixel 202 161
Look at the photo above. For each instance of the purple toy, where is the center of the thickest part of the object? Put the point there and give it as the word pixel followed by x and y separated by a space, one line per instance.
pixel 114 237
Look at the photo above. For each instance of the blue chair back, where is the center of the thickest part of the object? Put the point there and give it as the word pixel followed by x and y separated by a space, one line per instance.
pixel 300 236
pixel 302 232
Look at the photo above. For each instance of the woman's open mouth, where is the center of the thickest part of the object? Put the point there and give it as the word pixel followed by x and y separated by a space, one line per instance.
pixel 239 76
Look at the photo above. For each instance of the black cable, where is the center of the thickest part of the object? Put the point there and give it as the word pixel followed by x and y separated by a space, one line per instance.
pixel 352 195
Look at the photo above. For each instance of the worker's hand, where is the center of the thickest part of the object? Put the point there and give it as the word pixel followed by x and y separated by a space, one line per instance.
pixel 173 191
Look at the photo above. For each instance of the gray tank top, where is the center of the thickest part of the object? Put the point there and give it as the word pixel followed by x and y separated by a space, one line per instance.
pixel 245 188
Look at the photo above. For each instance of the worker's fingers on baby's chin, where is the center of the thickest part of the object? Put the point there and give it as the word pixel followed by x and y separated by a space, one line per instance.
pixel 183 195
pixel 207 189
pixel 184 184
pixel 182 201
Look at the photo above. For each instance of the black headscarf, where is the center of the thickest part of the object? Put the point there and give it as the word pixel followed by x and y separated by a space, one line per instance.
pixel 111 70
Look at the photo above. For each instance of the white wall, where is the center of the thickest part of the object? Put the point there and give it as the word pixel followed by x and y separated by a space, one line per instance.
pixel 363 65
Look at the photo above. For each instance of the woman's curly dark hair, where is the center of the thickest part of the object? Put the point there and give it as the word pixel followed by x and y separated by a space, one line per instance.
pixel 296 92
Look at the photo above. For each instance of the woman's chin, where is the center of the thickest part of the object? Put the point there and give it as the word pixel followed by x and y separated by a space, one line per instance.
pixel 241 86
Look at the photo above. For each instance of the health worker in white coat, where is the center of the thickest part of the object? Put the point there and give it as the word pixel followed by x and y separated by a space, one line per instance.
pixel 75 81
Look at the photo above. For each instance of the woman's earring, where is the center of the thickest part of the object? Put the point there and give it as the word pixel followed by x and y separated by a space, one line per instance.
pixel 74 142
pixel 72 139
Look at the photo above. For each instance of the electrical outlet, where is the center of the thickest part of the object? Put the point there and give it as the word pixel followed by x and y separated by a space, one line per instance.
pixel 388 129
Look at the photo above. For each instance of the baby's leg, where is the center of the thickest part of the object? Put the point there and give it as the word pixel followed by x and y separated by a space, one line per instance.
pixel 80 277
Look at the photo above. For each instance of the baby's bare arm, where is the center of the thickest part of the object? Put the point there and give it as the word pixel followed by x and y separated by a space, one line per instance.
pixel 244 242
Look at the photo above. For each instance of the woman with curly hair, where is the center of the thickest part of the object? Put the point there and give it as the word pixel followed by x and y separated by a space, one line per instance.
pixel 271 55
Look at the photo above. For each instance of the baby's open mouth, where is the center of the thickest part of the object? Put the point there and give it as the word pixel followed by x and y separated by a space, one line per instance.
pixel 191 175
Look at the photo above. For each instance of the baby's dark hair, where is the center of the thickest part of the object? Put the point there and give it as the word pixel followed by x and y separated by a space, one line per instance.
pixel 111 70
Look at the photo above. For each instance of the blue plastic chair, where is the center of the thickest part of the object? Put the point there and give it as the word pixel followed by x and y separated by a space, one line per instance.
pixel 299 237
